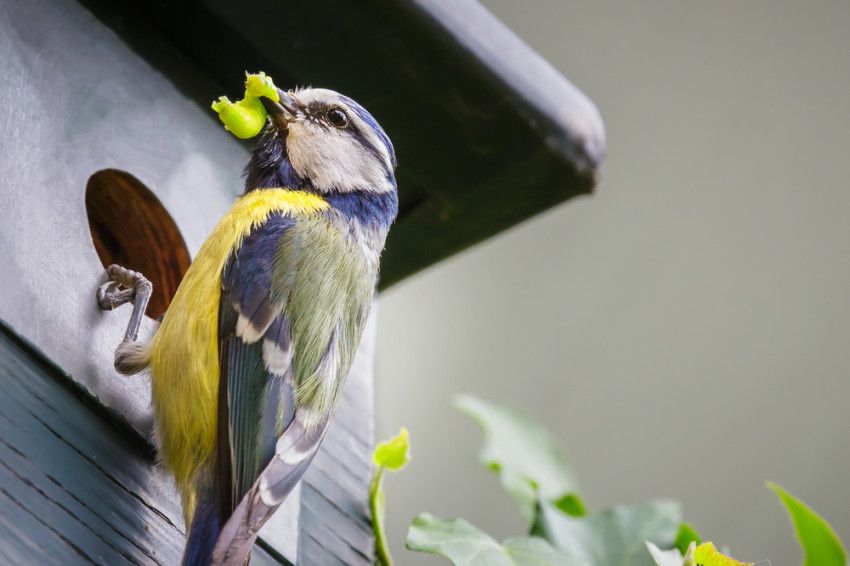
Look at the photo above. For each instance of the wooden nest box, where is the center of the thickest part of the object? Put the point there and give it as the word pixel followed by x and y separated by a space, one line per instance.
pixel 110 154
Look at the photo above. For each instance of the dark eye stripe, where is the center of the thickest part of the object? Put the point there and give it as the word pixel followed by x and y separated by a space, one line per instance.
pixel 365 142
pixel 367 119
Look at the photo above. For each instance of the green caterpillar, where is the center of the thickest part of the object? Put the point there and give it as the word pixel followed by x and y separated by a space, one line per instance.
pixel 245 118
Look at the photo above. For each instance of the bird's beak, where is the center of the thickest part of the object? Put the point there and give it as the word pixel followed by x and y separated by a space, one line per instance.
pixel 282 111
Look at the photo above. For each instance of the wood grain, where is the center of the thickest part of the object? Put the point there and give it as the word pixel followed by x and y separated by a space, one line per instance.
pixel 75 486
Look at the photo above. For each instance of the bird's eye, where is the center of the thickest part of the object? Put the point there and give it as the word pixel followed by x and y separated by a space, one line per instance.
pixel 337 117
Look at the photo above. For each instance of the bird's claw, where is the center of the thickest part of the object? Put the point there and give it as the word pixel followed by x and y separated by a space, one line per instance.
pixel 122 286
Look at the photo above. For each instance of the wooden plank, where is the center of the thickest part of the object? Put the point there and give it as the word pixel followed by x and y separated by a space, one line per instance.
pixel 76 487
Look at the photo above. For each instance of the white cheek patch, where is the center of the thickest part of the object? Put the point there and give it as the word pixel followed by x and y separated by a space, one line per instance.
pixel 334 160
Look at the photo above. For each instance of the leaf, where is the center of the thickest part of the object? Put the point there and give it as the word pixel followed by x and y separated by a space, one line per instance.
pixel 706 555
pixel 534 551
pixel 571 504
pixel 614 536
pixel 524 454
pixel 686 535
pixel 821 545
pixel 672 557
pixel 702 555
pixel 394 453
pixel 466 545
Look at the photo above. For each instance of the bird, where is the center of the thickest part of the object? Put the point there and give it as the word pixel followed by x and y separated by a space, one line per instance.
pixel 249 360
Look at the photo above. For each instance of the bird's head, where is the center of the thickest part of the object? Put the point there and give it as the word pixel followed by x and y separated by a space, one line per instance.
pixel 320 140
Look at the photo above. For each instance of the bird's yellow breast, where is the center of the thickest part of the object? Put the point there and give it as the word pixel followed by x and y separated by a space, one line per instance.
pixel 184 351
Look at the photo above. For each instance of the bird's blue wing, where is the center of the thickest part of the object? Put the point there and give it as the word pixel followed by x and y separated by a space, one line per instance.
pixel 294 300
pixel 256 401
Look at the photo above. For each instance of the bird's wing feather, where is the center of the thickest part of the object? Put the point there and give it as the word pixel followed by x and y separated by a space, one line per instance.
pixel 254 409
pixel 293 300
pixel 253 344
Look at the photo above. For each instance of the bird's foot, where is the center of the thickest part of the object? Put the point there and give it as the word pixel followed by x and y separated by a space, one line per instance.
pixel 122 286
pixel 125 286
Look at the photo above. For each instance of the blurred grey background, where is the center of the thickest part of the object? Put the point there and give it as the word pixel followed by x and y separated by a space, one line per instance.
pixel 686 331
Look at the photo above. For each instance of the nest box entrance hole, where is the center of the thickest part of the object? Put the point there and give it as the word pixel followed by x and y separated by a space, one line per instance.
pixel 130 227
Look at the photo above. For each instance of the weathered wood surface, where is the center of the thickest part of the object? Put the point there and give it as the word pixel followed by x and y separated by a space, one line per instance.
pixel 73 489
pixel 78 100
pixel 75 486
pixel 487 132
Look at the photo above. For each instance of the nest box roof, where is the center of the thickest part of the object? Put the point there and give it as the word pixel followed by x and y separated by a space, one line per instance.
pixel 486 131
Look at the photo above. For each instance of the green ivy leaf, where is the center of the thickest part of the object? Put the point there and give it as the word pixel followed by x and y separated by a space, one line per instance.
pixel 702 555
pixel 706 555
pixel 614 536
pixel 686 535
pixel 571 504
pixel 466 545
pixel 821 545
pixel 672 557
pixel 526 457
pixel 394 454
pixel 534 551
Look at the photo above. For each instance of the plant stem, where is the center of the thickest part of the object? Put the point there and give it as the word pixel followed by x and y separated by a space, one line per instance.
pixel 376 505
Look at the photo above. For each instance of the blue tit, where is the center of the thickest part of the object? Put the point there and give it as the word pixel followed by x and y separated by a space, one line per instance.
pixel 249 361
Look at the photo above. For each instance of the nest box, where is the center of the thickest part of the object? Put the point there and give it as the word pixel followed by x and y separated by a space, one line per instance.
pixel 110 154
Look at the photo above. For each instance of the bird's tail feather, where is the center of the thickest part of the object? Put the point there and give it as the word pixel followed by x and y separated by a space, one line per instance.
pixel 226 539
pixel 203 533
pixel 294 451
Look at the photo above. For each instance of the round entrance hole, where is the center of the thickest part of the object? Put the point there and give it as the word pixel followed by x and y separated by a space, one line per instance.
pixel 130 227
